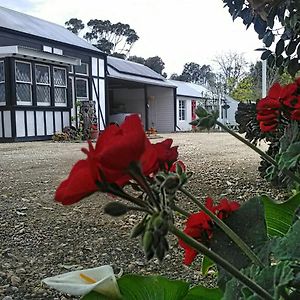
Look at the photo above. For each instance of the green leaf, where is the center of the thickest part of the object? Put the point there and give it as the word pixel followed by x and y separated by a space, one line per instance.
pixel 279 216
pixel 266 54
pixel 279 47
pixel 290 157
pixel 291 48
pixel 135 287
pixel 203 293
pixel 94 296
pixel 288 248
pixel 293 66
pixel 248 222
pixel 207 263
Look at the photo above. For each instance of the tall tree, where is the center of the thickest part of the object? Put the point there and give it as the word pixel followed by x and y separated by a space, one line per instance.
pixel 137 59
pixel 111 38
pixel 155 63
pixel 232 68
pixel 75 25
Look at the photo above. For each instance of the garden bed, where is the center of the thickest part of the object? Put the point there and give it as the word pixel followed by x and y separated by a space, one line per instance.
pixel 40 238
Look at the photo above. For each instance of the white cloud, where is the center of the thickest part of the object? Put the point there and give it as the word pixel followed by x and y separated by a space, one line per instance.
pixel 177 31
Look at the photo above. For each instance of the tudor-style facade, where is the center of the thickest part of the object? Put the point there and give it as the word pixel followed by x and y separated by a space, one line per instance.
pixel 44 71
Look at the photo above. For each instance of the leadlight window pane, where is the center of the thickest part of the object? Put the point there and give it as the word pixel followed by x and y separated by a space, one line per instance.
pixel 60 95
pixel 23 92
pixel 42 74
pixel 59 77
pixel 2 92
pixel 23 72
pixel 2 74
pixel 82 69
pixel 81 88
pixel 43 93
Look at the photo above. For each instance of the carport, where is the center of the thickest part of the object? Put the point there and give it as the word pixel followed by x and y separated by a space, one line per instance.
pixel 135 88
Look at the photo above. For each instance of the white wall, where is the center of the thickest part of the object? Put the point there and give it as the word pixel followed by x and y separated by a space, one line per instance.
pixel 131 101
pixel 98 88
pixel 184 124
pixel 161 108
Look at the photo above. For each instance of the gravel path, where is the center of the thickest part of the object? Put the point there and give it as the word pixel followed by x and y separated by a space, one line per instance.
pixel 40 238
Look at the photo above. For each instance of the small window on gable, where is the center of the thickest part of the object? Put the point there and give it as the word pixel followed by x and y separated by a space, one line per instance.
pixel 47 49
pixel 82 69
pixel 57 51
pixel 60 86
pixel 2 83
pixel 23 83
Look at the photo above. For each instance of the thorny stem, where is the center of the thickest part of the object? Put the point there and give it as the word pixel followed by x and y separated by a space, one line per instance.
pixel 234 237
pixel 223 263
pixel 260 152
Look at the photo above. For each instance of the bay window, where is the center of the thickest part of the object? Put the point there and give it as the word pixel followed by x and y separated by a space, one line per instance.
pixel 60 86
pixel 2 83
pixel 42 77
pixel 23 83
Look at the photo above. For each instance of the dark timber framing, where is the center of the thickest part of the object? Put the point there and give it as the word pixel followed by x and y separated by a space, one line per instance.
pixel 46 116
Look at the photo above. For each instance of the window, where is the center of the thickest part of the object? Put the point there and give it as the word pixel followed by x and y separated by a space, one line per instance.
pixel 23 83
pixel 2 83
pixel 81 89
pixel 47 49
pixel 82 69
pixel 182 109
pixel 71 69
pixel 60 86
pixel 42 77
pixel 57 51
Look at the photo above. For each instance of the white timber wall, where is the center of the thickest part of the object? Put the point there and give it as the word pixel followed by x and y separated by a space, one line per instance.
pixel 183 125
pixel 161 108
pixel 41 122
pixel 98 88
pixel 5 119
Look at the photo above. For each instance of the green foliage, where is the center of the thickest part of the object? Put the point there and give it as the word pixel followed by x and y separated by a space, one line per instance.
pixel 155 63
pixel 205 119
pixel 75 25
pixel 135 287
pixel 262 15
pixel 279 216
pixel 245 90
pixel 206 265
pixel 248 222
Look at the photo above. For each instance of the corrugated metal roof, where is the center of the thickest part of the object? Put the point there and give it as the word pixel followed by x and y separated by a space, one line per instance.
pixel 133 68
pixel 31 25
pixel 131 71
pixel 183 89
pixel 192 90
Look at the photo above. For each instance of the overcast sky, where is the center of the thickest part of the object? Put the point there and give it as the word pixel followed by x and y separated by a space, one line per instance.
pixel 177 31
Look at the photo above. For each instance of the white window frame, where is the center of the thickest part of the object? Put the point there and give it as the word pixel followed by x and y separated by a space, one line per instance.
pixel 44 84
pixel 61 86
pixel 182 110
pixel 57 51
pixel 71 70
pixel 87 70
pixel 87 89
pixel 47 49
pixel 3 82
pixel 24 82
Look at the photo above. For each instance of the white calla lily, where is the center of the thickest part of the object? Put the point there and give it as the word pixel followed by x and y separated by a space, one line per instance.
pixel 78 283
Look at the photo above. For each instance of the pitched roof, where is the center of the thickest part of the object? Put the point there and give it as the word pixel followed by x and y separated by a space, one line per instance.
pixel 192 90
pixel 27 24
pixel 131 71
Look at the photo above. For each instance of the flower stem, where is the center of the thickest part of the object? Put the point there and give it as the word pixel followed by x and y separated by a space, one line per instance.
pixel 180 210
pixel 239 242
pixel 264 155
pixel 220 261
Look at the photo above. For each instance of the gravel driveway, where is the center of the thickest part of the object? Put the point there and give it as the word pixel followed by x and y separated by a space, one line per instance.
pixel 40 238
